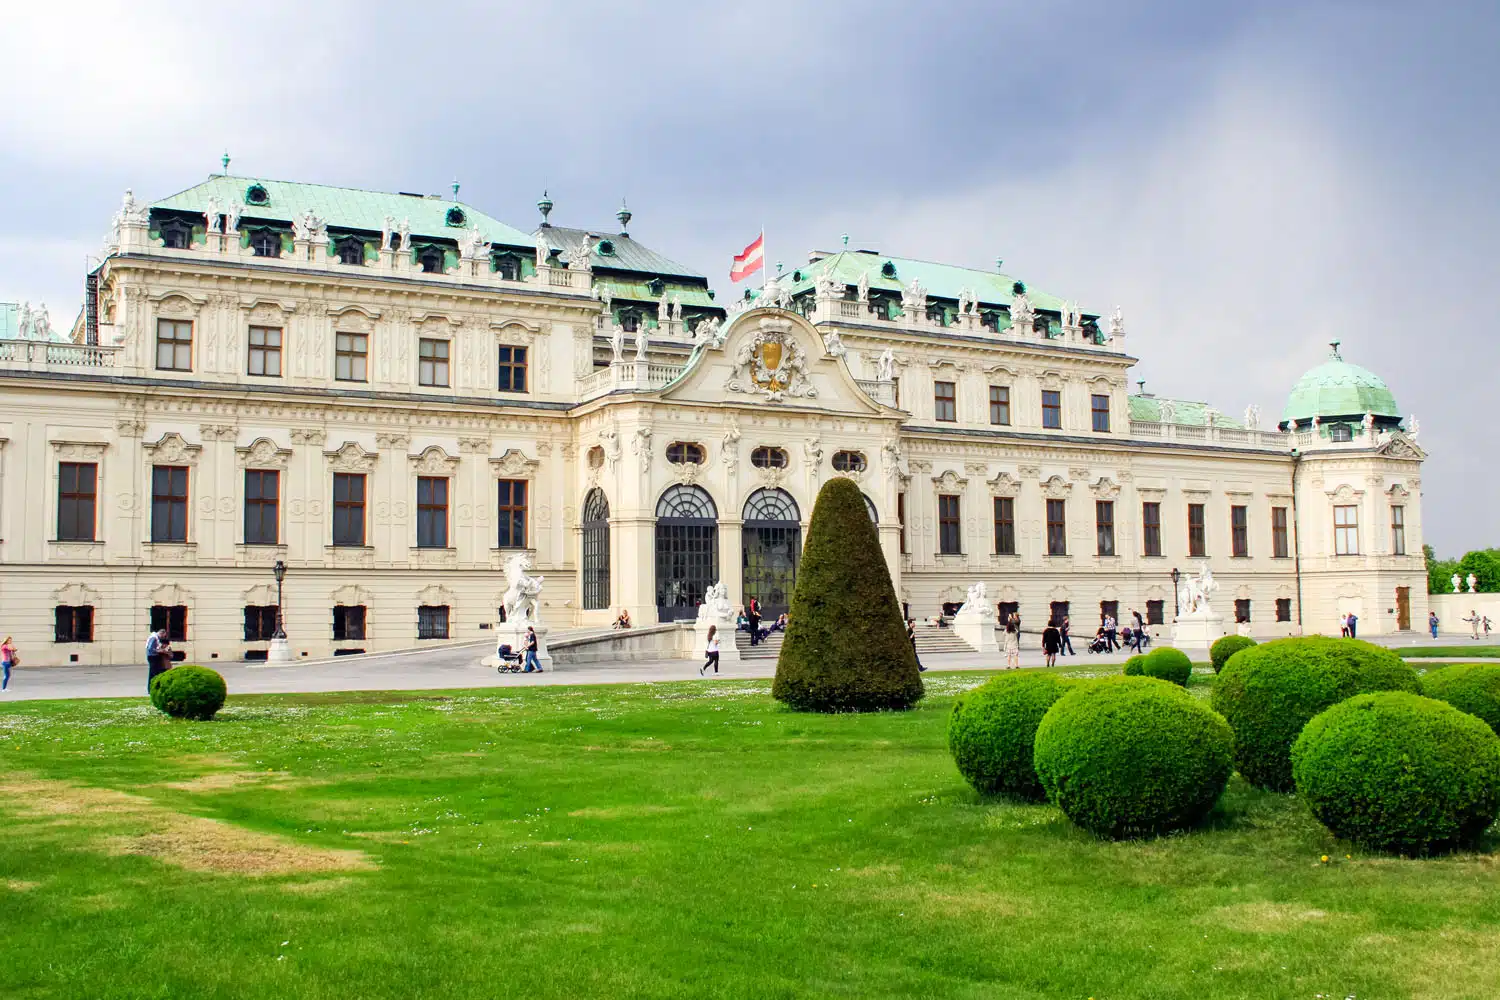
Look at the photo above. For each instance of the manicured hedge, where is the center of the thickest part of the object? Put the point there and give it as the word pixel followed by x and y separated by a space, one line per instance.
pixel 846 648
pixel 1135 666
pixel 1400 773
pixel 993 727
pixel 1164 663
pixel 189 692
pixel 1268 692
pixel 1468 687
pixel 1132 756
pixel 1222 649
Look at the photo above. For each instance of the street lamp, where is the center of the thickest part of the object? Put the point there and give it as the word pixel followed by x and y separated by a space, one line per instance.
pixel 280 570
pixel 1176 608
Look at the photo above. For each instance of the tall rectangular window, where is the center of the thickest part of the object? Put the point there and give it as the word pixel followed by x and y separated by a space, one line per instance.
pixel 351 357
pixel 944 401
pixel 432 621
pixel 1000 405
pixel 1239 530
pixel 1151 527
pixel 1156 612
pixel 1280 548
pixel 1283 609
pixel 169 503
pixel 512 369
pixel 432 512
pixel 348 622
pixel 901 518
pixel 262 499
pixel 1099 407
pixel 77 501
pixel 1241 610
pixel 1197 531
pixel 432 362
pixel 1057 527
pixel 950 528
pixel 1052 409
pixel 1346 531
pixel 265 351
pixel 260 622
pixel 349 508
pixel 174 345
pixel 1104 525
pixel 512 514
pixel 1005 526
pixel 1398 530
pixel 173 618
pixel 73 624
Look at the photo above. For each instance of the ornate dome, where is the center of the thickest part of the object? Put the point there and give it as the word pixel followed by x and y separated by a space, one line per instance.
pixel 1337 390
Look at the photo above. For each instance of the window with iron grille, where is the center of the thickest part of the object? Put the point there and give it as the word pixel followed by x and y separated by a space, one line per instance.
pixel 1052 409
pixel 1104 523
pixel 1197 530
pixel 1151 528
pixel 432 512
pixel 169 503
pixel 348 622
pixel 1241 610
pixel 595 526
pixel 432 621
pixel 944 401
pixel 173 618
pixel 1398 530
pixel 512 369
pixel 174 345
pixel 432 362
pixel 1057 527
pixel 1283 609
pixel 265 351
pixel 73 623
pixel 1099 407
pixel 1280 548
pixel 262 500
pixel 351 357
pixel 1005 526
pixel 950 527
pixel 348 508
pixel 901 518
pixel 1346 531
pixel 1000 404
pixel 260 622
pixel 1239 531
pixel 1156 612
pixel 511 516
pixel 77 501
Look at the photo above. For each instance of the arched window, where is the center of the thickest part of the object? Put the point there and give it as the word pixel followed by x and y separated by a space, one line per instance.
pixel 685 453
pixel 768 458
pixel 771 548
pixel 870 506
pixel 687 551
pixel 849 461
pixel 595 550
pixel 351 250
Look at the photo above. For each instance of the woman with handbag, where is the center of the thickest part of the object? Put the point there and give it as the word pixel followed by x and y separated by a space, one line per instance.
pixel 8 659
pixel 712 651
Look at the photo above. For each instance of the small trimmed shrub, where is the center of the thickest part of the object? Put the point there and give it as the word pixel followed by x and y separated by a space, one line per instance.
pixel 846 648
pixel 1164 663
pixel 1133 756
pixel 1268 692
pixel 189 692
pixel 992 729
pixel 1135 666
pixel 1222 649
pixel 1468 687
pixel 1400 773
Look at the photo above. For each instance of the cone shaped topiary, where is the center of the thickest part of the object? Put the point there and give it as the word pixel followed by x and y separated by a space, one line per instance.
pixel 845 648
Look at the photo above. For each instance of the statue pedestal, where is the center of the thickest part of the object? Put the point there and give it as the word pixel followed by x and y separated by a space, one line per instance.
pixel 280 651
pixel 976 628
pixel 729 652
pixel 1198 630
pixel 514 636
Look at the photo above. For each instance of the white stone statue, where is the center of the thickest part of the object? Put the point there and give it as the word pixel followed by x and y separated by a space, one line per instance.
pixel 1252 417
pixel 581 258
pixel 232 214
pixel 23 329
pixel 1412 427
pixel 1457 584
pixel 914 299
pixel 676 308
pixel 885 366
pixel 1369 424
pixel 617 342
pixel 543 250
pixel 641 341
pixel 132 211
pixel 707 332
pixel 41 323
pixel 1316 423
pixel 862 288
pixel 729 448
pixel 385 232
pixel 611 441
pixel 978 601
pixel 1117 323
pixel 663 312
pixel 606 298
pixel 641 446
pixel 963 301
pixel 716 606
pixel 309 227
pixel 1195 592
pixel 834 344
pixel 404 231
pixel 891 450
pixel 1022 315
pixel 473 246
pixel 1471 581
pixel 1168 412
pixel 212 213
pixel 812 450
pixel 522 599
pixel 828 287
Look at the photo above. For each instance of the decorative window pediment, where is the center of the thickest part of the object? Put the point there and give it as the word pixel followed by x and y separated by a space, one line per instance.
pixel 513 465
pixel 1105 488
pixel 263 453
pixel 350 457
pixel 1057 488
pixel 950 482
pixel 171 449
pixel 433 461
pixel 1003 485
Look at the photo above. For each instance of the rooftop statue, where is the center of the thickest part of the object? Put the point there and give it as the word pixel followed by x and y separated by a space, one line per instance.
pixel 1022 315
pixel 581 257
pixel 543 250
pixel 473 246
pixel 232 215
pixel 885 366
pixel 641 340
pixel 914 297
pixel 309 227
pixel 385 232
pixel 617 342
pixel 862 289
pixel 211 215
pixel 834 344
pixel 1252 417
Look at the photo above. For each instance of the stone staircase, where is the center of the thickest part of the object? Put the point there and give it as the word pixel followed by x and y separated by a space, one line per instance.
pixel 770 649
pixel 931 639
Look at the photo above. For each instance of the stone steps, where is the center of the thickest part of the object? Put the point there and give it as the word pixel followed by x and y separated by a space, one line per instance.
pixel 770 649
pixel 931 639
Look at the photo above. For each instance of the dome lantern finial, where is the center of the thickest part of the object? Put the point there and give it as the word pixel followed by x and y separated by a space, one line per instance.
pixel 455 189
pixel 623 216
pixel 225 160
pixel 1334 350
pixel 544 205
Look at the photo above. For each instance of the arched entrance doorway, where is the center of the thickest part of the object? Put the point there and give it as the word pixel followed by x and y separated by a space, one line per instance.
pixel 595 550
pixel 687 551
pixel 772 546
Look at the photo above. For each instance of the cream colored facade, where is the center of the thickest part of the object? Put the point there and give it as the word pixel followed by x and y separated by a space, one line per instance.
pixel 590 421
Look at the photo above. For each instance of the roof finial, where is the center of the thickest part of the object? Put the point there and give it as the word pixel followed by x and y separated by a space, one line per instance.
pixel 624 216
pixel 225 160
pixel 455 189
pixel 845 238
pixel 1335 352
pixel 1141 386
pixel 544 205
pixel 779 266
pixel 999 263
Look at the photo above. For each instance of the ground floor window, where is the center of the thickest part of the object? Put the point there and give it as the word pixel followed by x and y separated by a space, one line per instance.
pixel 73 623
pixel 1242 610
pixel 173 618
pixel 1283 609
pixel 1156 612
pixel 1109 609
pixel 1057 611
pixel 1008 608
pixel 432 621
pixel 260 622
pixel 348 622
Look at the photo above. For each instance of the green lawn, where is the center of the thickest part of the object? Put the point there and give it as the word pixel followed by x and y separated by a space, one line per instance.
pixel 1476 652
pixel 681 840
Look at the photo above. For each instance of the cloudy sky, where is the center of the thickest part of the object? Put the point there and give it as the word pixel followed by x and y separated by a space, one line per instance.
pixel 1248 181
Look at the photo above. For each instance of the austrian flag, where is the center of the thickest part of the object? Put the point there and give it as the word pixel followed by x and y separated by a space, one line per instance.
pixel 747 263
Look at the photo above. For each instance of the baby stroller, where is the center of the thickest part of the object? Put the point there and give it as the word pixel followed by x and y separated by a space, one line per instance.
pixel 510 660
pixel 1099 644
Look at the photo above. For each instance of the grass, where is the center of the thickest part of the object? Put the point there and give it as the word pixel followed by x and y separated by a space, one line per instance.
pixel 669 840
pixel 1465 652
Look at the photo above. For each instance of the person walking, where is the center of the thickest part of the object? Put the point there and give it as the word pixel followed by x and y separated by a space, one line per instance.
pixel 1486 628
pixel 1064 633
pixel 711 651
pixel 157 650
pixel 1473 621
pixel 1138 633
pixel 1432 623
pixel 1112 632
pixel 1051 640
pixel 1013 643
pixel 532 645
pixel 8 659
pixel 911 637
pixel 1353 624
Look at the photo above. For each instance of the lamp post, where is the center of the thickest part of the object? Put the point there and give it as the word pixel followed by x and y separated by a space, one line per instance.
pixel 281 650
pixel 1176 607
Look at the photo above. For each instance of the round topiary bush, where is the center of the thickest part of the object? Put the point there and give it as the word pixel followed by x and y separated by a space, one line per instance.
pixel 1132 756
pixel 846 648
pixel 189 692
pixel 1269 691
pixel 1400 773
pixel 1468 687
pixel 1165 663
pixel 1222 649
pixel 992 729
pixel 1135 666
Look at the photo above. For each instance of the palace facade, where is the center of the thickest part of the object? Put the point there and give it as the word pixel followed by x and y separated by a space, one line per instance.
pixel 391 395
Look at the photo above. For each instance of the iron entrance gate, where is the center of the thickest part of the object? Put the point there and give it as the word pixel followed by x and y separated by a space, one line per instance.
pixel 771 549
pixel 687 551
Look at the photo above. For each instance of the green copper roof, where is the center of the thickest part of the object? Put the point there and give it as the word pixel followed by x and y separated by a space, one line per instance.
pixel 345 208
pixel 943 281
pixel 1183 411
pixel 639 290
pixel 615 252
pixel 1338 389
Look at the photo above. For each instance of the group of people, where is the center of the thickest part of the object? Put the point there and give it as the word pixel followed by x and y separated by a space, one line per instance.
pixel 749 620
pixel 1477 623
pixel 529 662
pixel 1348 626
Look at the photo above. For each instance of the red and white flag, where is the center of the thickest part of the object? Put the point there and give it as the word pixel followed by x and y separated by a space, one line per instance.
pixel 747 263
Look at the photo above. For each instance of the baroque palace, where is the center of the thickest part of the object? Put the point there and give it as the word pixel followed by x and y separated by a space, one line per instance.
pixel 390 396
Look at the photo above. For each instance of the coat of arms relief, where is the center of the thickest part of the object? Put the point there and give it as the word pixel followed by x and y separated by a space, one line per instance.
pixel 772 363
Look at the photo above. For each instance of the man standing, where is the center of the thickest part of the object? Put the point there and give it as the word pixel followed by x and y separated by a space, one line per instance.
pixel 1112 632
pixel 1065 646
pixel 157 651
pixel 1432 623
pixel 1353 621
